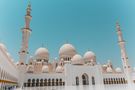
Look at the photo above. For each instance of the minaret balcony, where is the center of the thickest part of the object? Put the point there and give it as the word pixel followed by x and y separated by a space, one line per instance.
pixel 27 29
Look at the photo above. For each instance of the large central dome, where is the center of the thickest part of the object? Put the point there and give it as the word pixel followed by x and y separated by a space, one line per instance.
pixel 42 53
pixel 67 50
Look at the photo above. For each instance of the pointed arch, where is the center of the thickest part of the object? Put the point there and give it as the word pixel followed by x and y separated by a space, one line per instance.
pixel 77 80
pixel 49 82
pixel 33 82
pixel 93 80
pixel 29 82
pixel 37 82
pixel 85 79
pixel 45 82
pixel 53 82
pixel 57 82
pixel 41 82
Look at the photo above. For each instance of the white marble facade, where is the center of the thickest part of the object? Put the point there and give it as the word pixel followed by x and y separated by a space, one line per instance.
pixel 70 69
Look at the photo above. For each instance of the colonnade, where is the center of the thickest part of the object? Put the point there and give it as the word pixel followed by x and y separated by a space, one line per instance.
pixel 114 81
pixel 44 82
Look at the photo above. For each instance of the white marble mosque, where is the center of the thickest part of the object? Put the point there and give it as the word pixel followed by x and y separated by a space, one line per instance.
pixel 70 69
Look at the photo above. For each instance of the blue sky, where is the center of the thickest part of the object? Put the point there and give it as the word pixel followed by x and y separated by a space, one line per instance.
pixel 87 24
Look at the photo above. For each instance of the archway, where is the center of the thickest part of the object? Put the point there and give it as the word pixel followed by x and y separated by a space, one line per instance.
pixel 45 82
pixel 49 82
pixel 93 80
pixel 77 80
pixel 85 79
pixel 41 82
pixel 53 82
pixel 29 82
pixel 60 82
pixel 57 82
pixel 33 82
pixel 37 82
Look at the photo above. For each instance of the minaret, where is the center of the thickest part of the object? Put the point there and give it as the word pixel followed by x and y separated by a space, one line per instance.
pixel 26 31
pixel 124 57
pixel 121 43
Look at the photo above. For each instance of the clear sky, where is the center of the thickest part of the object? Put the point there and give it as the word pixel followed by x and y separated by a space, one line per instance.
pixel 87 24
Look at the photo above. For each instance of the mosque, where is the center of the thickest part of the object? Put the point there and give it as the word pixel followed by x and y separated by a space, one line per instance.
pixel 71 69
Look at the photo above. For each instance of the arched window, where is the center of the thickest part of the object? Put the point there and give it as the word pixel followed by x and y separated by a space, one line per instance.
pixel 45 82
pixel 85 79
pixel 53 82
pixel 106 81
pixel 114 81
pixel 37 82
pixel 60 82
pixel 49 82
pixel 57 82
pixel 109 80
pixel 117 81
pixel 77 80
pixel 41 82
pixel 63 83
pixel 29 82
pixel 93 80
pixel 124 80
pixel 33 82
pixel 121 80
pixel 25 85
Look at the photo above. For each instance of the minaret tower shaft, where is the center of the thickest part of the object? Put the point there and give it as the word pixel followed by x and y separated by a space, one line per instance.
pixel 26 31
pixel 124 57
pixel 121 43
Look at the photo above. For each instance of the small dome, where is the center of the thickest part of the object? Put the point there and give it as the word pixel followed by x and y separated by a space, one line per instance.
pixel 67 50
pixel 118 70
pixel 42 53
pixel 59 69
pixel 3 46
pixel 109 70
pixel 77 59
pixel 89 55
pixel 45 69
pixel 30 69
